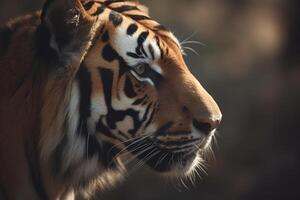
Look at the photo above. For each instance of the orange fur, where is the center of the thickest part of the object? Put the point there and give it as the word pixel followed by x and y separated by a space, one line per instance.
pixel 36 90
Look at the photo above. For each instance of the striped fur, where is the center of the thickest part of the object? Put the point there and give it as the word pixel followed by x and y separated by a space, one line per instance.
pixel 96 83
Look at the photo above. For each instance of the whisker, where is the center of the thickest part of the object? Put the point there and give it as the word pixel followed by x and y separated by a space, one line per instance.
pixel 161 159
pixel 189 37
pixel 153 153
pixel 147 148
pixel 141 146
pixel 193 42
pixel 201 166
pixel 214 140
pixel 192 50
pixel 129 140
pixel 131 144
pixel 183 183
pixel 212 153
pixel 197 173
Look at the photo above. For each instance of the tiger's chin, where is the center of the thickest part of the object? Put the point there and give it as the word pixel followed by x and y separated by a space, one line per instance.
pixel 173 163
pixel 177 165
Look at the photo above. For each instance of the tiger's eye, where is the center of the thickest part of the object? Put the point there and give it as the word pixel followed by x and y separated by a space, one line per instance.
pixel 140 69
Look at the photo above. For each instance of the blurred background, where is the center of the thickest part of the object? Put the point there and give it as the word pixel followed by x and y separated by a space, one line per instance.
pixel 250 63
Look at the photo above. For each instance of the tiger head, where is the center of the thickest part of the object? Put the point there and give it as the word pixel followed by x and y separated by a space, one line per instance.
pixel 133 93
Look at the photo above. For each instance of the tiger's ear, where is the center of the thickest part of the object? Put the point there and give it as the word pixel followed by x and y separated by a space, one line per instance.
pixel 69 30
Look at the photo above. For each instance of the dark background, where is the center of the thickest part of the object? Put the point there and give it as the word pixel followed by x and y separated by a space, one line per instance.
pixel 250 63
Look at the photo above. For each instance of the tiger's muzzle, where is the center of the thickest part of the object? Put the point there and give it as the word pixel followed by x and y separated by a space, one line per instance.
pixel 174 152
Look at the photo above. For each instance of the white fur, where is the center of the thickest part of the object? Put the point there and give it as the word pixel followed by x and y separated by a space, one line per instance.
pixel 157 68
pixel 98 108
pixel 75 147
pixel 142 79
pixel 73 111
pixel 125 43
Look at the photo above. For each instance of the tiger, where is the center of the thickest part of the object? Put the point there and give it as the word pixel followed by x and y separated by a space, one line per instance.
pixel 88 86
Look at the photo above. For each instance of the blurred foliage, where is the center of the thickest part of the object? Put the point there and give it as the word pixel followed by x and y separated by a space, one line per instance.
pixel 249 62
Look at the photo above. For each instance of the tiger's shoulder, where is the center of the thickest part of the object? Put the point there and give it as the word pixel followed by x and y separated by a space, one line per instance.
pixel 17 50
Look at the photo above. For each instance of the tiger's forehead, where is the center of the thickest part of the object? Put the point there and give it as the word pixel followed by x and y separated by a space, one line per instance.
pixel 136 44
pixel 134 36
pixel 130 9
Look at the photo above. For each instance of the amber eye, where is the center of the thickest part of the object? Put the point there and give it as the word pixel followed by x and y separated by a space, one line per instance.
pixel 140 68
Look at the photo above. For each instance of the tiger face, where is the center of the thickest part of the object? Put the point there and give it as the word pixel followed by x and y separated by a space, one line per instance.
pixel 138 95
pixel 92 82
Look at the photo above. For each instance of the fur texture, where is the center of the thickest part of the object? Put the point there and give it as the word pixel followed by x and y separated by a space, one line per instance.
pixel 86 87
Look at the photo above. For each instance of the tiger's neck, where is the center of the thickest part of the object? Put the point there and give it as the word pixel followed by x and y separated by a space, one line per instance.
pixel 75 156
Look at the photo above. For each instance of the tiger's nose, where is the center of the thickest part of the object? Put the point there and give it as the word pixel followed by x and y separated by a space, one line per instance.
pixel 206 126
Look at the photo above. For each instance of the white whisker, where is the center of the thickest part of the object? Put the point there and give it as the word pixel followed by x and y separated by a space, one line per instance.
pixel 147 148
pixel 193 42
pixel 189 37
pixel 153 153
pixel 135 140
pixel 192 50
pixel 161 159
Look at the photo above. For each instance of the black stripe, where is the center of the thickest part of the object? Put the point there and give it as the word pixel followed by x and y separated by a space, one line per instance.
pixel 93 146
pixel 88 5
pixel 163 129
pixel 150 118
pixel 141 39
pixel 109 53
pixel 115 18
pixel 158 42
pixel 109 2
pixel 139 101
pixel 132 28
pixel 151 51
pixel 107 82
pixel 155 77
pixel 155 109
pixel 125 8
pixel 144 52
pixel 100 127
pixel 146 100
pixel 129 88
pixel 105 37
pixel 99 10
pixel 139 17
pixel 133 55
pixel 114 116
pixel 84 81
pixel 146 113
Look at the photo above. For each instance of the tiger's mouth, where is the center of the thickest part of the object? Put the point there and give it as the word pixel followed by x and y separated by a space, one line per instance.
pixel 174 157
